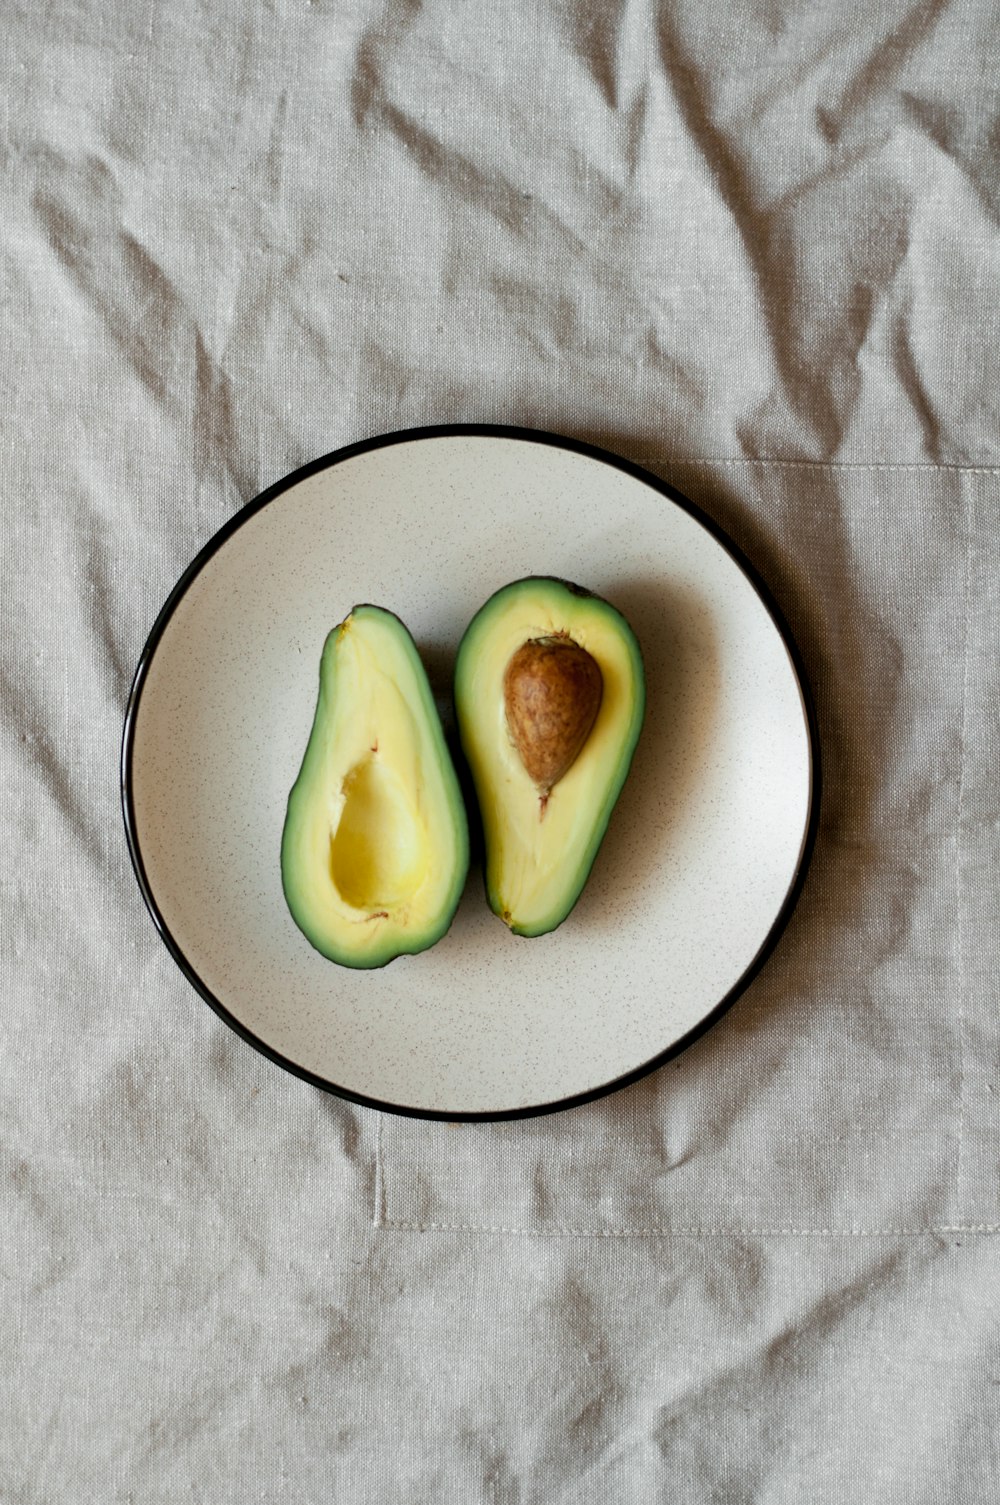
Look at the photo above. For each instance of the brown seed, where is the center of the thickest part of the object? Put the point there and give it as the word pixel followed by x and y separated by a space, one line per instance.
pixel 552 692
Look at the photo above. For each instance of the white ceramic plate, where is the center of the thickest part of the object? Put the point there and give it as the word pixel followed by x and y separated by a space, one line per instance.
pixel 705 851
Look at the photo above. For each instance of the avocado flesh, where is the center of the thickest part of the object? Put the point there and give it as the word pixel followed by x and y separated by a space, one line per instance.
pixel 375 847
pixel 539 849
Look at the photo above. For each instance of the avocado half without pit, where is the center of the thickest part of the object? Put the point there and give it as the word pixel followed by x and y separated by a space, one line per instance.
pixel 375 847
pixel 550 697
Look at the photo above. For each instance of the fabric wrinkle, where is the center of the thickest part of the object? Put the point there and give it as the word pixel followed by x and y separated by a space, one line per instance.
pixel 890 55
pixel 754 228
pixel 44 763
pixel 907 367
pixel 378 43
pixel 947 130
pixel 616 46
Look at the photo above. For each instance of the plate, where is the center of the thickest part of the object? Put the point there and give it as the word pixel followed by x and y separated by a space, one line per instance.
pixel 705 852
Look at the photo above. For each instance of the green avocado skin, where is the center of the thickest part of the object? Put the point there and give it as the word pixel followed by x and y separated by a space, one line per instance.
pixel 309 787
pixel 573 879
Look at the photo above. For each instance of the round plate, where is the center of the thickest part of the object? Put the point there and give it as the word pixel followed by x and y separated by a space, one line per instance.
pixel 704 854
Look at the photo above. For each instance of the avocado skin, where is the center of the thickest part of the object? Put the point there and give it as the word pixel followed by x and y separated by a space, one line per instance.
pixel 574 883
pixel 300 793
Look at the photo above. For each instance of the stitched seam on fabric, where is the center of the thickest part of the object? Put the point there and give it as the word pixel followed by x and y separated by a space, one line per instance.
pixel 382 1198
pixel 970 470
pixel 378 1212
pixel 959 894
pixel 560 1232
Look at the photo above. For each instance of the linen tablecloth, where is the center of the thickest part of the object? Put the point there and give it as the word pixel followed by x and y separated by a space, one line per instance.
pixel 754 248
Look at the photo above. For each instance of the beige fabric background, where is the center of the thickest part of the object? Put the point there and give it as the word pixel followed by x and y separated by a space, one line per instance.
pixel 755 248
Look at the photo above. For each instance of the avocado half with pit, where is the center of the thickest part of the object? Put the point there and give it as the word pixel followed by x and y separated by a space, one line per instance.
pixel 550 697
pixel 375 847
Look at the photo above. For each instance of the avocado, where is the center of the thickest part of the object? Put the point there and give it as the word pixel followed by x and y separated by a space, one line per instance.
pixel 375 847
pixel 550 696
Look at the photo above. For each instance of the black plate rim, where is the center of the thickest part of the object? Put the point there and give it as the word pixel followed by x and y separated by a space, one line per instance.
pixel 491 431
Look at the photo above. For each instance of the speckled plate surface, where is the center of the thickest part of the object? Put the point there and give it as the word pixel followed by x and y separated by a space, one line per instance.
pixel 706 849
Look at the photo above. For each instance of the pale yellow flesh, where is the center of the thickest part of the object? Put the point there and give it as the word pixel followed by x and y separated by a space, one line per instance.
pixel 373 797
pixel 529 838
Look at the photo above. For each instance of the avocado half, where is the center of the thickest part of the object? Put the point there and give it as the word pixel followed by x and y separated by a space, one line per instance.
pixel 375 847
pixel 540 845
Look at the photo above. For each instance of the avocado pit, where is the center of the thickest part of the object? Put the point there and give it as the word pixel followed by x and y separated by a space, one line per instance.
pixel 552 689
